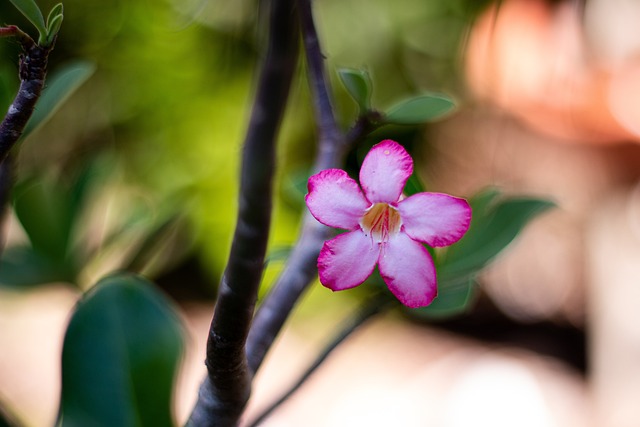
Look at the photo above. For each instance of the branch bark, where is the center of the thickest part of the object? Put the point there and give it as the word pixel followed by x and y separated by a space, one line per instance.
pixel 225 390
pixel 301 267
pixel 33 70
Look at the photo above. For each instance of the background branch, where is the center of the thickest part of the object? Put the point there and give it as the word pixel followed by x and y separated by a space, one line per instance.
pixel 374 306
pixel 226 389
pixel 301 267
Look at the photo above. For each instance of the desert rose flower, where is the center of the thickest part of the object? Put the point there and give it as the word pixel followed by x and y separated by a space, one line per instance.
pixel 386 229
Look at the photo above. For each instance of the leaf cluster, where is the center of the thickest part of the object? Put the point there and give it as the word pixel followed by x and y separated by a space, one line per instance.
pixel 47 29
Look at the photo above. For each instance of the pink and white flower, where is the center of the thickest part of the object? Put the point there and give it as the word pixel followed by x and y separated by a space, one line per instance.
pixel 386 229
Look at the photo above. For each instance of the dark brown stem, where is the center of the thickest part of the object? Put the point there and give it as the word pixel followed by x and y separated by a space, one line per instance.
pixel 33 69
pixel 32 72
pixel 224 393
pixel 301 267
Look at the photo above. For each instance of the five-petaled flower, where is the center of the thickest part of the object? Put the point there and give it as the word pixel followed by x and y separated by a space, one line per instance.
pixel 385 228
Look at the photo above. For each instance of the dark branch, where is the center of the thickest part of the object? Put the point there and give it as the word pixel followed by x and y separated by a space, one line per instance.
pixel 226 389
pixel 301 267
pixel 33 70
pixel 373 307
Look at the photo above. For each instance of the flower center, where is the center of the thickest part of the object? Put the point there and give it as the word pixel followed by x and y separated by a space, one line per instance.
pixel 381 221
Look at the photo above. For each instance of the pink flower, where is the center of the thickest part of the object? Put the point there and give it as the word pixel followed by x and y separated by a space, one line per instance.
pixel 386 229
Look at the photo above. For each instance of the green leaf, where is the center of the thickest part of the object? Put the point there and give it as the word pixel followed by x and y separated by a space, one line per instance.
pixel 358 84
pixel 120 357
pixel 413 185
pixel 32 12
pixel 21 267
pixel 43 209
pixel 53 30
pixel 62 83
pixel 56 10
pixel 421 109
pixel 452 300
pixel 278 254
pixel 495 223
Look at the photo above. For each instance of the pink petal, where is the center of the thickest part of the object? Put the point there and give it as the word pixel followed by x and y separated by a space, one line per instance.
pixel 434 218
pixel 407 269
pixel 347 260
pixel 335 199
pixel 384 172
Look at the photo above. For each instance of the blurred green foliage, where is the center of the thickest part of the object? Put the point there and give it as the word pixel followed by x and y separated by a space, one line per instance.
pixel 125 377
pixel 166 109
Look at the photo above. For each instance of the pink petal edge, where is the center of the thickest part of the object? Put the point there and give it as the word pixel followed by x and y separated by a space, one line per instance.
pixel 385 171
pixel 434 218
pixel 335 199
pixel 347 260
pixel 407 269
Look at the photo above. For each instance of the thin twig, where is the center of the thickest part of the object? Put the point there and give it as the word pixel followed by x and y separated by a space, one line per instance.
pixel 376 305
pixel 225 391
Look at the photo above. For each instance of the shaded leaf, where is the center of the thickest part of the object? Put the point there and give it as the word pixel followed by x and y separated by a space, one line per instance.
pixel 120 356
pixel 32 12
pixel 23 267
pixel 358 84
pixel 278 254
pixel 44 210
pixel 294 186
pixel 453 299
pixel 495 223
pixel 61 84
pixel 413 185
pixel 421 109
pixel 156 242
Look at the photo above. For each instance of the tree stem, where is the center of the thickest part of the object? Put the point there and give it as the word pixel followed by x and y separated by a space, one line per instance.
pixel 32 70
pixel 225 390
pixel 301 267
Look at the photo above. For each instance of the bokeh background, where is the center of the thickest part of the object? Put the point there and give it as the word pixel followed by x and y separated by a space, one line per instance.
pixel 547 93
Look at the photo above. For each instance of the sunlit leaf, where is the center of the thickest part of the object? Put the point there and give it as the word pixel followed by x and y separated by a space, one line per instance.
pixel 56 10
pixel 60 85
pixel 421 109
pixel 54 28
pixel 32 12
pixel 120 357
pixel 358 84
pixel 495 223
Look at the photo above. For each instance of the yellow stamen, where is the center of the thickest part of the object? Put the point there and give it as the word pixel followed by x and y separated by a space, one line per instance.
pixel 381 221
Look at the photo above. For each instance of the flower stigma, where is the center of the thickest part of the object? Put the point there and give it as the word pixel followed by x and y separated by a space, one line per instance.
pixel 381 221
